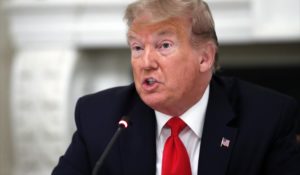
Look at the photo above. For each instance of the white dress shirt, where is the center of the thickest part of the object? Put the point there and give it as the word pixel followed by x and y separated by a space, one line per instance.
pixel 190 135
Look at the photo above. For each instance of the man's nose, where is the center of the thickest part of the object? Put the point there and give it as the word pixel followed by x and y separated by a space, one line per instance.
pixel 150 59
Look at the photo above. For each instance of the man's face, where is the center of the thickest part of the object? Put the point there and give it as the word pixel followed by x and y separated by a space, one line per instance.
pixel 166 68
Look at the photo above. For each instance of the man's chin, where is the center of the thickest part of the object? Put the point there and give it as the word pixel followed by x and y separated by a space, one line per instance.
pixel 153 100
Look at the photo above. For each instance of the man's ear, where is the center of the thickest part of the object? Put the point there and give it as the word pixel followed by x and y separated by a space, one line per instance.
pixel 207 56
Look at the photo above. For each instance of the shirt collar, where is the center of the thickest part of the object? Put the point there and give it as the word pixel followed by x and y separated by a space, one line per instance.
pixel 193 117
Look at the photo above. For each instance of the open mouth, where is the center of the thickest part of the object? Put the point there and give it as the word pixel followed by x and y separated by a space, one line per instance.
pixel 150 81
pixel 150 84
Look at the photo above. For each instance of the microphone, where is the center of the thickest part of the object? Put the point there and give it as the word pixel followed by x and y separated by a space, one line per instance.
pixel 123 124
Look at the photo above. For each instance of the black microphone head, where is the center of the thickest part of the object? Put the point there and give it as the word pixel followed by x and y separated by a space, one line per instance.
pixel 123 123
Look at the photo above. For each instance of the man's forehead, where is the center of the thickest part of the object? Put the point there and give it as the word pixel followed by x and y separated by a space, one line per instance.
pixel 171 26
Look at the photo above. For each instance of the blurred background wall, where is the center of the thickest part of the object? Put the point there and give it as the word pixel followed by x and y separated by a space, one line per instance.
pixel 5 64
pixel 54 51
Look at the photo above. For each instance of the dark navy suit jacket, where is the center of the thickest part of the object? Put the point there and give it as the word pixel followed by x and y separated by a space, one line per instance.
pixel 259 124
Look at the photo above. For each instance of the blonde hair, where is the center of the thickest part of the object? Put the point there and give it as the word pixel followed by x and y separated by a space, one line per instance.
pixel 203 27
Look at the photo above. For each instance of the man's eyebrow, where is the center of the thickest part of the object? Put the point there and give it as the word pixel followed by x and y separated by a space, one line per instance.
pixel 131 36
pixel 161 32
pixel 165 32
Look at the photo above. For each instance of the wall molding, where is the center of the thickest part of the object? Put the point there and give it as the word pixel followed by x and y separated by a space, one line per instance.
pixel 99 23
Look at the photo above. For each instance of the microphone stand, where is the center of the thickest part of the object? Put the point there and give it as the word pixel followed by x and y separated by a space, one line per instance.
pixel 123 124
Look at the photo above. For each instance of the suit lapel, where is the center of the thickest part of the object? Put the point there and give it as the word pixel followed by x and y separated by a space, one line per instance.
pixel 138 142
pixel 215 154
pixel 138 145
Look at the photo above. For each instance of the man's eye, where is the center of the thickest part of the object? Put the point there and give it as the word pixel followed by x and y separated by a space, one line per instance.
pixel 166 45
pixel 137 48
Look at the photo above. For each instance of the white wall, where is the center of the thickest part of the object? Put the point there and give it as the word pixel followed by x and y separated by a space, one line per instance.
pixel 5 62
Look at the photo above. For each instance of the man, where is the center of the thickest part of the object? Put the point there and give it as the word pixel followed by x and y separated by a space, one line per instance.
pixel 227 126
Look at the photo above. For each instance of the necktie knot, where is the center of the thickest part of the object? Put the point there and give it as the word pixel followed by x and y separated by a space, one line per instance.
pixel 176 125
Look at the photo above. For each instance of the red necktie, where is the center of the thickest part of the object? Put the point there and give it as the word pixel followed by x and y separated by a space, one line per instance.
pixel 175 157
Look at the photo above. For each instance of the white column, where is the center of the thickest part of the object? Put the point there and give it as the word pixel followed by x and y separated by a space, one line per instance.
pixel 39 97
